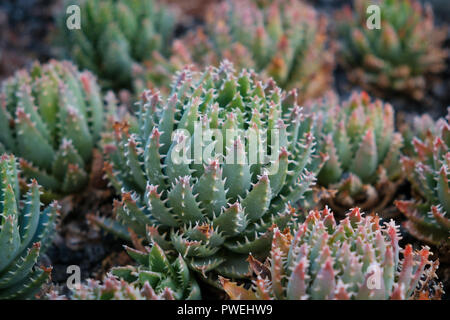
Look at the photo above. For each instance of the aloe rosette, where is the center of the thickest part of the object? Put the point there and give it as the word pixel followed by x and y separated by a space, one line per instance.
pixel 398 57
pixel 51 117
pixel 354 259
pixel 427 169
pixel 115 36
pixel 285 40
pixel 213 211
pixel 362 148
pixel 25 233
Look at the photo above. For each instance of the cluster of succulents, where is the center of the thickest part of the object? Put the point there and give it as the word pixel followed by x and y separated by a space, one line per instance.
pixel 354 259
pixel 219 174
pixel 218 207
pixel 362 148
pixel 284 40
pixel 398 56
pixel 117 35
pixel 52 117
pixel 25 233
pixel 155 278
pixel 427 169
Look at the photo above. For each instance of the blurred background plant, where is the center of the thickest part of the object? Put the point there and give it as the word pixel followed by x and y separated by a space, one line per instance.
pixel 115 36
pixel 286 40
pixel 52 116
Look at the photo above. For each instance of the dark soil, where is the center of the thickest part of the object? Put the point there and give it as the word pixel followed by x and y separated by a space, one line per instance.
pixel 80 243
pixel 25 26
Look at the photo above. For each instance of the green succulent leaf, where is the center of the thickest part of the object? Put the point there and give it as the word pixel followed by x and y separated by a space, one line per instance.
pixel 25 233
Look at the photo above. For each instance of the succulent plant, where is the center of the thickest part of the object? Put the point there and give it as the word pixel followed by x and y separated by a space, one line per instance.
pixel 362 149
pixel 115 35
pixel 285 40
pixel 25 233
pixel 155 277
pixel 397 57
pixel 111 288
pixel 418 128
pixel 216 204
pixel 51 117
pixel 428 172
pixel 355 259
